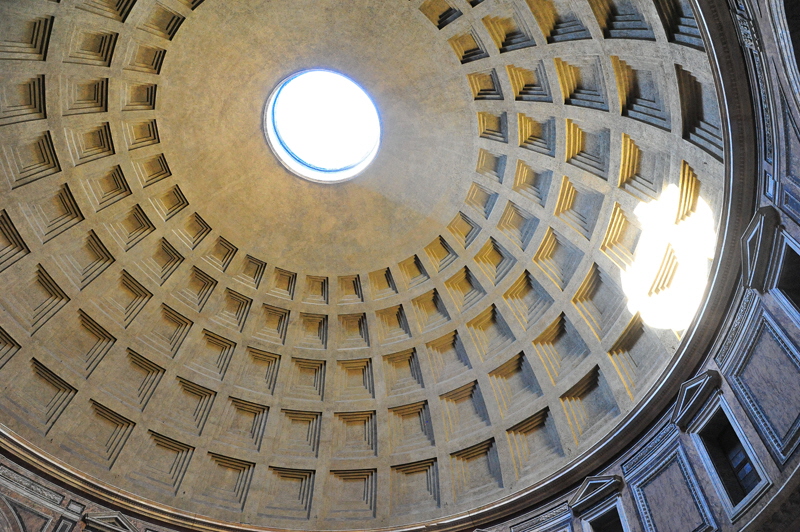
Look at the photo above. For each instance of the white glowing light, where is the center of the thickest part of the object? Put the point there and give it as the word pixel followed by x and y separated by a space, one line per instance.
pixel 692 240
pixel 322 126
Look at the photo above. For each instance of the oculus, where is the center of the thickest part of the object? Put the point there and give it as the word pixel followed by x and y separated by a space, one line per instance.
pixel 322 126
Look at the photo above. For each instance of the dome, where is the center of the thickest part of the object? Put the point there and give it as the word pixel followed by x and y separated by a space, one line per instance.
pixel 495 299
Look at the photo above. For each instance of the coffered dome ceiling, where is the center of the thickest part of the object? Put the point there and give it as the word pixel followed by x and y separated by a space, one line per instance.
pixel 192 330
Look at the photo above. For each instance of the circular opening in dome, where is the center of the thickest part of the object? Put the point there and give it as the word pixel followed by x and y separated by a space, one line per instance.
pixel 322 126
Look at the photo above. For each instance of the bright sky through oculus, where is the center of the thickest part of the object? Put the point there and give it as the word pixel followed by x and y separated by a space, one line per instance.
pixel 324 121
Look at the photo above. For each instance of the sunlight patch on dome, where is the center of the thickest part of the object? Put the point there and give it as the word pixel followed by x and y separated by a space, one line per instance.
pixel 669 274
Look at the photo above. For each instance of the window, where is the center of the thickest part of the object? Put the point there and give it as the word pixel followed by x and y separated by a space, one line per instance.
pixel 607 516
pixel 608 522
pixel 788 280
pixel 731 461
pixel 738 476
